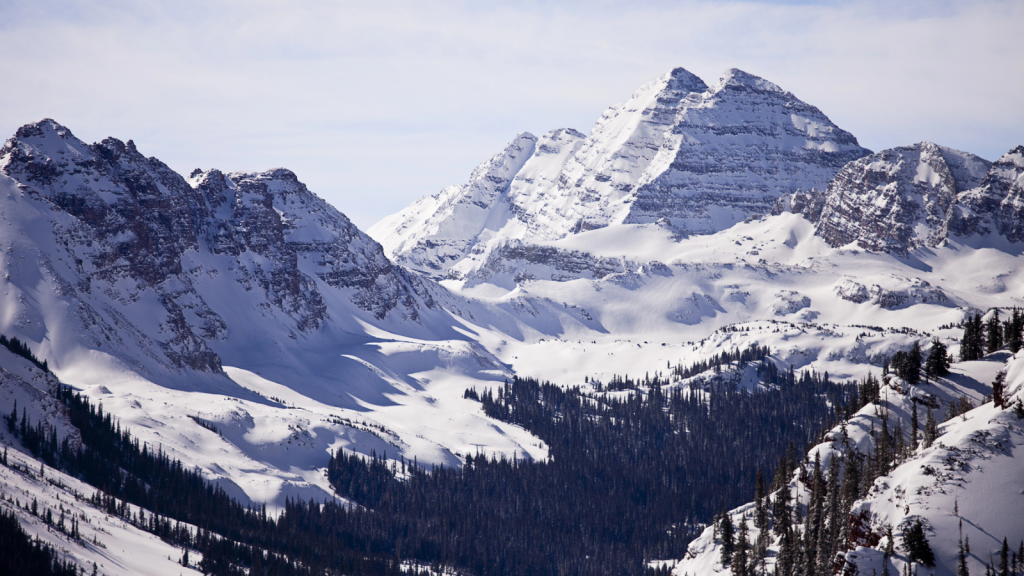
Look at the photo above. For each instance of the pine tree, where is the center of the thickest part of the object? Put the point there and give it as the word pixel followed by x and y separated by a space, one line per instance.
pixel 884 452
pixel 961 555
pixel 1014 331
pixel 782 513
pixel 994 339
pixel 973 342
pixel 1020 557
pixel 965 341
pixel 937 364
pixel 727 535
pixel 913 364
pixel 740 557
pixel 760 506
pixel 836 518
pixel 931 429
pixel 787 559
pixel 913 427
pixel 916 543
pixel 1004 559
pixel 998 389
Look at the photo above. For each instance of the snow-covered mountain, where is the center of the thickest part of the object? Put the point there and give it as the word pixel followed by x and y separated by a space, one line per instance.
pixel 693 220
pixel 692 158
pixel 898 199
pixel 233 298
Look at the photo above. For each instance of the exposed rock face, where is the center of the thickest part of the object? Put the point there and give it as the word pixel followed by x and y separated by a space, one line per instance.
pixel 789 302
pixel 678 153
pixel 901 292
pixel 733 153
pixel 145 212
pixel 137 234
pixel 996 205
pixel 516 262
pixel 896 200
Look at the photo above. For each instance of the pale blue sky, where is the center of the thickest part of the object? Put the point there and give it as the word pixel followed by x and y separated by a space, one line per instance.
pixel 375 104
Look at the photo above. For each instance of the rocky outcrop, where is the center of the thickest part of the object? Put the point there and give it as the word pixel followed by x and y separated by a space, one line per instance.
pixel 901 199
pixel 899 292
pixel 996 205
pixel 137 236
pixel 732 154
pixel 896 200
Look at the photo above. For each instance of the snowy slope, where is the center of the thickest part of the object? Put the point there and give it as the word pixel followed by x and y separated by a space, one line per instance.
pixel 972 470
pixel 113 545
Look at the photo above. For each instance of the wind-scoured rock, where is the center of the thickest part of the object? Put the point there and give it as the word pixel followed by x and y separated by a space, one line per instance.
pixel 897 200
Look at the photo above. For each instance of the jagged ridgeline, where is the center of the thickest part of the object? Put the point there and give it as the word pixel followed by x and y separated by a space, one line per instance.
pixel 632 476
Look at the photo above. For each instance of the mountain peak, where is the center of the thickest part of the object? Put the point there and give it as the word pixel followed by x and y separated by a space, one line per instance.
pixel 1014 156
pixel 736 78
pixel 684 81
pixel 45 128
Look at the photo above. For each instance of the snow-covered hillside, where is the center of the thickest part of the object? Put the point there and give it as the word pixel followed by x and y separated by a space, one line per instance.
pixel 965 487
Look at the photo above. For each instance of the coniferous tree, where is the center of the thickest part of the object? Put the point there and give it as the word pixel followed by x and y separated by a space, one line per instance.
pixel 931 429
pixel 760 505
pixel 973 342
pixel 851 489
pixel 916 543
pixel 740 558
pixel 725 529
pixel 913 427
pixel 782 513
pixel 815 513
pixel 787 559
pixel 1013 333
pixel 998 389
pixel 961 556
pixel 994 337
pixel 937 364
pixel 836 518
pixel 883 452
pixel 914 360
pixel 1004 559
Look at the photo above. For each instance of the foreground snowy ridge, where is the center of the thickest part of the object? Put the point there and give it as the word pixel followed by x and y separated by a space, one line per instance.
pixel 967 486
